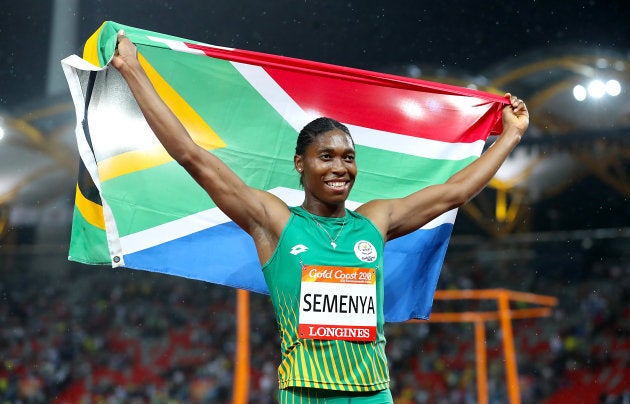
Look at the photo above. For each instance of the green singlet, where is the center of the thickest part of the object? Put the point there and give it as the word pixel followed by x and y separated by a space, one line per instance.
pixel 317 396
pixel 334 367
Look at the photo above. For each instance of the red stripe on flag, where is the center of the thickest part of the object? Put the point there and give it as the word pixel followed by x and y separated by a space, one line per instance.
pixel 430 115
pixel 376 100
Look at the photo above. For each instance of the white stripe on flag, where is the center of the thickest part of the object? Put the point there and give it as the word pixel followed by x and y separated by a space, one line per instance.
pixel 213 217
pixel 275 96
pixel 73 66
pixel 297 118
pixel 414 146
pixel 180 46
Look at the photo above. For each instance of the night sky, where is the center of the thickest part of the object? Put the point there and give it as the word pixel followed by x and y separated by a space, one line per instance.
pixel 457 35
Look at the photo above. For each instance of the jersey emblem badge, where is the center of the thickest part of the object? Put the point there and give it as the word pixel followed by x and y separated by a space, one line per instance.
pixel 365 251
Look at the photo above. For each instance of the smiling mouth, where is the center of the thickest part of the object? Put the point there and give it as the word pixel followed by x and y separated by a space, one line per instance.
pixel 337 184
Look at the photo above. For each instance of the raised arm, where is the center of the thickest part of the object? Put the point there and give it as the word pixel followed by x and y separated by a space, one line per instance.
pixel 397 217
pixel 259 213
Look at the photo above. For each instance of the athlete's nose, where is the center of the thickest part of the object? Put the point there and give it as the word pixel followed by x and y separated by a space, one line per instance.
pixel 338 166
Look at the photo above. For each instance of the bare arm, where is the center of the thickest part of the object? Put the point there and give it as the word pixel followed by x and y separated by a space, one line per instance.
pixel 259 213
pixel 397 217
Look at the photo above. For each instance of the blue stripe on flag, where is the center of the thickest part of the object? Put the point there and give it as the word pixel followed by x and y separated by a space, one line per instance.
pixel 237 264
pixel 412 268
pixel 412 265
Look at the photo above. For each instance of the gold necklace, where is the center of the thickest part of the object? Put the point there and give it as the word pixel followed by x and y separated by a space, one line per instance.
pixel 332 240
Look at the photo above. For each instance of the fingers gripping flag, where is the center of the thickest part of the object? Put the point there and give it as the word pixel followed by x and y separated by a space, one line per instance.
pixel 137 208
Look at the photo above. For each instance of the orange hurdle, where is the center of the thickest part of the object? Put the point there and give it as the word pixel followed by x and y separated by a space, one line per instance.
pixel 505 316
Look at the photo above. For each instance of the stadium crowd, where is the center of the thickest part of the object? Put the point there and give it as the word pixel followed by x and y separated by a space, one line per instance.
pixel 97 335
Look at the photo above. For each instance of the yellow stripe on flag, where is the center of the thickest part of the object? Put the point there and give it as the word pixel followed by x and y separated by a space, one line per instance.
pixel 91 212
pixel 90 50
pixel 138 160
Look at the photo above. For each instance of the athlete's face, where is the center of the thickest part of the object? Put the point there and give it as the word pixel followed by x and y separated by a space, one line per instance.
pixel 328 167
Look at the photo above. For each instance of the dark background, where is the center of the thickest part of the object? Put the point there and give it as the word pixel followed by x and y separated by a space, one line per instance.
pixel 469 36
pixel 573 243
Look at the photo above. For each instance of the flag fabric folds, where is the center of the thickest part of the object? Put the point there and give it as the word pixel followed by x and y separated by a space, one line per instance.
pixel 137 208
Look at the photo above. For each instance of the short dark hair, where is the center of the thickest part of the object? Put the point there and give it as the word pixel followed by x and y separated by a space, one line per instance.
pixel 315 128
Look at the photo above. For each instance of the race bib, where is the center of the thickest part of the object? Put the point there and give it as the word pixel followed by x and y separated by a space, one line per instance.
pixel 338 303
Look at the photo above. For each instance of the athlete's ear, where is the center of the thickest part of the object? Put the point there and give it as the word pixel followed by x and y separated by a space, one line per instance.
pixel 298 162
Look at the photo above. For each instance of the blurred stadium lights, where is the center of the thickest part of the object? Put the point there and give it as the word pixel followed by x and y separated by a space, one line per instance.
pixel 613 88
pixel 597 89
pixel 3 127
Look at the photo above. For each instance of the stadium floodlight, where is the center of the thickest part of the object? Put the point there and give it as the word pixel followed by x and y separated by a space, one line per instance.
pixel 596 89
pixel 613 88
pixel 579 92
